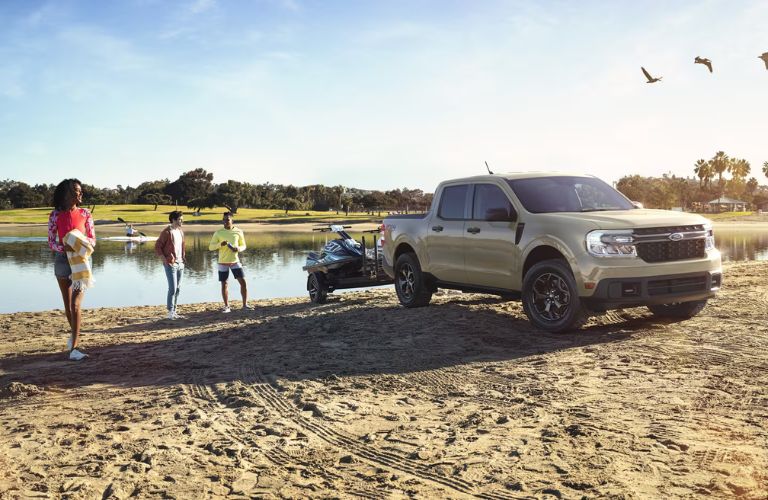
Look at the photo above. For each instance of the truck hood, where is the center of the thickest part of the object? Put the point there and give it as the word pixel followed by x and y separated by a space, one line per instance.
pixel 626 219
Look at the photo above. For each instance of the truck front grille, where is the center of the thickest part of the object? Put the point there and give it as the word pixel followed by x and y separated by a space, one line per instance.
pixel 654 244
pixel 664 251
pixel 677 286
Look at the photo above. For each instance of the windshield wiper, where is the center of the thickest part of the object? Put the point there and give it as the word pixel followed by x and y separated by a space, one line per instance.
pixel 600 209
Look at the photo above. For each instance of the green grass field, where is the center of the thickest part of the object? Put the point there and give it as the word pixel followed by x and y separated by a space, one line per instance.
pixel 147 214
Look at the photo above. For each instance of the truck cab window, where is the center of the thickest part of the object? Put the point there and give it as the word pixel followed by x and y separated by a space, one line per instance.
pixel 491 204
pixel 453 201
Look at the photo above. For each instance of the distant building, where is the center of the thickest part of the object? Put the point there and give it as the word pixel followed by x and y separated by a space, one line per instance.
pixel 725 204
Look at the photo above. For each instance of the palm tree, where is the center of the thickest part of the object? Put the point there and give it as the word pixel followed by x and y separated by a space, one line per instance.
pixel 703 171
pixel 765 168
pixel 720 165
pixel 739 168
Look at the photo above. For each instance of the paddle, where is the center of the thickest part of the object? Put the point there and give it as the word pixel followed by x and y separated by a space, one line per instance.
pixel 123 221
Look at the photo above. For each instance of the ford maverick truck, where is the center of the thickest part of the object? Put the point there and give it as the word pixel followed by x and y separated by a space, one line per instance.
pixel 566 245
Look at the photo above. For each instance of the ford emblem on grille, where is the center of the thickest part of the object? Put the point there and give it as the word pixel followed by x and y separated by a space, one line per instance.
pixel 676 236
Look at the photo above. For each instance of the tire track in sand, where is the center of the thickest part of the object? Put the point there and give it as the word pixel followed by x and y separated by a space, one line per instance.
pixel 266 391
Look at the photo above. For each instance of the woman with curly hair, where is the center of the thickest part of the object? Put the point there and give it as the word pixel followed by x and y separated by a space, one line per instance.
pixel 72 238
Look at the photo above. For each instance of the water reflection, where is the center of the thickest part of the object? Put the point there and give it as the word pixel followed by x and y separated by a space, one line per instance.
pixel 131 274
pixel 739 245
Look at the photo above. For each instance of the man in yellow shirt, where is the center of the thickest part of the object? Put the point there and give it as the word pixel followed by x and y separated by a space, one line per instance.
pixel 230 241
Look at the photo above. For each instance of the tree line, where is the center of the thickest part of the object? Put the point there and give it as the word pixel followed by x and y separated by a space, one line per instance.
pixel 720 176
pixel 195 189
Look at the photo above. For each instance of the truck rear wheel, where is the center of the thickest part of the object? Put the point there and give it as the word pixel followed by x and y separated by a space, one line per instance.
pixel 317 286
pixel 681 310
pixel 411 288
pixel 551 299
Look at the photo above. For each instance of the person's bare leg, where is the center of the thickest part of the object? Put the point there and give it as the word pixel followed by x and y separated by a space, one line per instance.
pixel 66 295
pixel 243 291
pixel 225 293
pixel 77 299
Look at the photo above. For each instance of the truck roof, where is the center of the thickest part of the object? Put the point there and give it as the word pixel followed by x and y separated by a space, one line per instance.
pixel 517 175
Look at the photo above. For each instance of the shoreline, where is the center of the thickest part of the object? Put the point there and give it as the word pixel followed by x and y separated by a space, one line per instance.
pixel 301 227
pixel 197 227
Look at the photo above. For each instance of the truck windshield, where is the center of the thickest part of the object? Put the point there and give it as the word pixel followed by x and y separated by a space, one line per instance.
pixel 567 194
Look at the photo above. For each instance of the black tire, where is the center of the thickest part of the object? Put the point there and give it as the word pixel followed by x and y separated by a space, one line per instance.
pixel 317 286
pixel 410 284
pixel 551 298
pixel 679 310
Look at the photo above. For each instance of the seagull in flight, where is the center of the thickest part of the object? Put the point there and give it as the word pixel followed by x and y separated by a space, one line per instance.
pixel 650 78
pixel 703 60
pixel 764 57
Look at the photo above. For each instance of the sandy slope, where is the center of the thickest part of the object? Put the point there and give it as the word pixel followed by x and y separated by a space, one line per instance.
pixel 362 398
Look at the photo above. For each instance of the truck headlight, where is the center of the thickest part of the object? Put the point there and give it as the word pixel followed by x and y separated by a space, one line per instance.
pixel 611 244
pixel 709 240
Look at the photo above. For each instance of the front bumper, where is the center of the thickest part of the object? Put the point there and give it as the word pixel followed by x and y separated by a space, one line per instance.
pixel 613 293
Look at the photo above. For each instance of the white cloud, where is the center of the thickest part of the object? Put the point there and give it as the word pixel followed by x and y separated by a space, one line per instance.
pixel 106 50
pixel 44 15
pixel 10 83
pixel 200 6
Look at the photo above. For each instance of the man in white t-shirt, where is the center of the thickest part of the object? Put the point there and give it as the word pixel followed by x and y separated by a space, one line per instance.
pixel 171 248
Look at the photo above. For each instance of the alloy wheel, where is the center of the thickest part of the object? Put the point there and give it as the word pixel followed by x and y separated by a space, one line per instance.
pixel 551 296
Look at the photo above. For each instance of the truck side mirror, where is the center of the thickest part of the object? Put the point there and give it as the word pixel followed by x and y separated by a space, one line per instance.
pixel 636 204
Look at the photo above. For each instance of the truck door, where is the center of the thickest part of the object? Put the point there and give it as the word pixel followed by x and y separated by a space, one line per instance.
pixel 445 234
pixel 492 257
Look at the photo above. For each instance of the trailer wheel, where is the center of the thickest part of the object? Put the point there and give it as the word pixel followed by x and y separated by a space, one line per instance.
pixel 411 288
pixel 317 287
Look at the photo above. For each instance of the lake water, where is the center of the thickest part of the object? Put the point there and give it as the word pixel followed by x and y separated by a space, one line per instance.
pixel 129 274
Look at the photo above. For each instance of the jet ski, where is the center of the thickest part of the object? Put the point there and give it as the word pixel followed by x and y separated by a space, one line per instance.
pixel 344 263
pixel 336 254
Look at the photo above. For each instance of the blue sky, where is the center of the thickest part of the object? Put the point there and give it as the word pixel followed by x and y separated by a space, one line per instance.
pixel 375 94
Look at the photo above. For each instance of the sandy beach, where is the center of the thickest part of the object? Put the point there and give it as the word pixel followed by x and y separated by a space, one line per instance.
pixel 361 398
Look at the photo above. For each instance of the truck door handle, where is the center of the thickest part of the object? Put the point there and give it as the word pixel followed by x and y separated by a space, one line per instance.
pixel 473 230
pixel 437 229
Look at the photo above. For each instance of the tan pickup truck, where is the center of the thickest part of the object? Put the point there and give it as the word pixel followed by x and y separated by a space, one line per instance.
pixel 567 245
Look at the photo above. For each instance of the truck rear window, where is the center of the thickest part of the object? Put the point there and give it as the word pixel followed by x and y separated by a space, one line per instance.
pixel 452 202
pixel 567 194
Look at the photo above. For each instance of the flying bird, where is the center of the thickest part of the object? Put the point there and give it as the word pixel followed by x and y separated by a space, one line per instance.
pixel 649 77
pixel 764 57
pixel 703 60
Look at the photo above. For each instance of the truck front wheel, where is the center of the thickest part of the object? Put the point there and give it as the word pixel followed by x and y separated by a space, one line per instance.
pixel 409 282
pixel 680 310
pixel 550 297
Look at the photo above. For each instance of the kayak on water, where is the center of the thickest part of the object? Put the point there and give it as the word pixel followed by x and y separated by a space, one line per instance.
pixel 130 238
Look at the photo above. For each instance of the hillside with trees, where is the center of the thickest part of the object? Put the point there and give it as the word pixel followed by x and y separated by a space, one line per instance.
pixel 195 189
pixel 720 176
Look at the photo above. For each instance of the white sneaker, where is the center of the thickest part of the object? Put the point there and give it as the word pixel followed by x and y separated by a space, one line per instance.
pixel 177 315
pixel 226 310
pixel 77 355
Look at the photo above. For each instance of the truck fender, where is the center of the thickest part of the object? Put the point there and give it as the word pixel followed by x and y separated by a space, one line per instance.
pixel 536 246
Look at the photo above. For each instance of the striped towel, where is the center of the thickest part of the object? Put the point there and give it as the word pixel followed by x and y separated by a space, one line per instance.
pixel 79 260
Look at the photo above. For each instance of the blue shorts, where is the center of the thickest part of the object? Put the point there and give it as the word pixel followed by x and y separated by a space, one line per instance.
pixel 61 265
pixel 237 272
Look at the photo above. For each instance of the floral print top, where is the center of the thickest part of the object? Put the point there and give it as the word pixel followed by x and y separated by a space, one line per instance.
pixel 61 222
